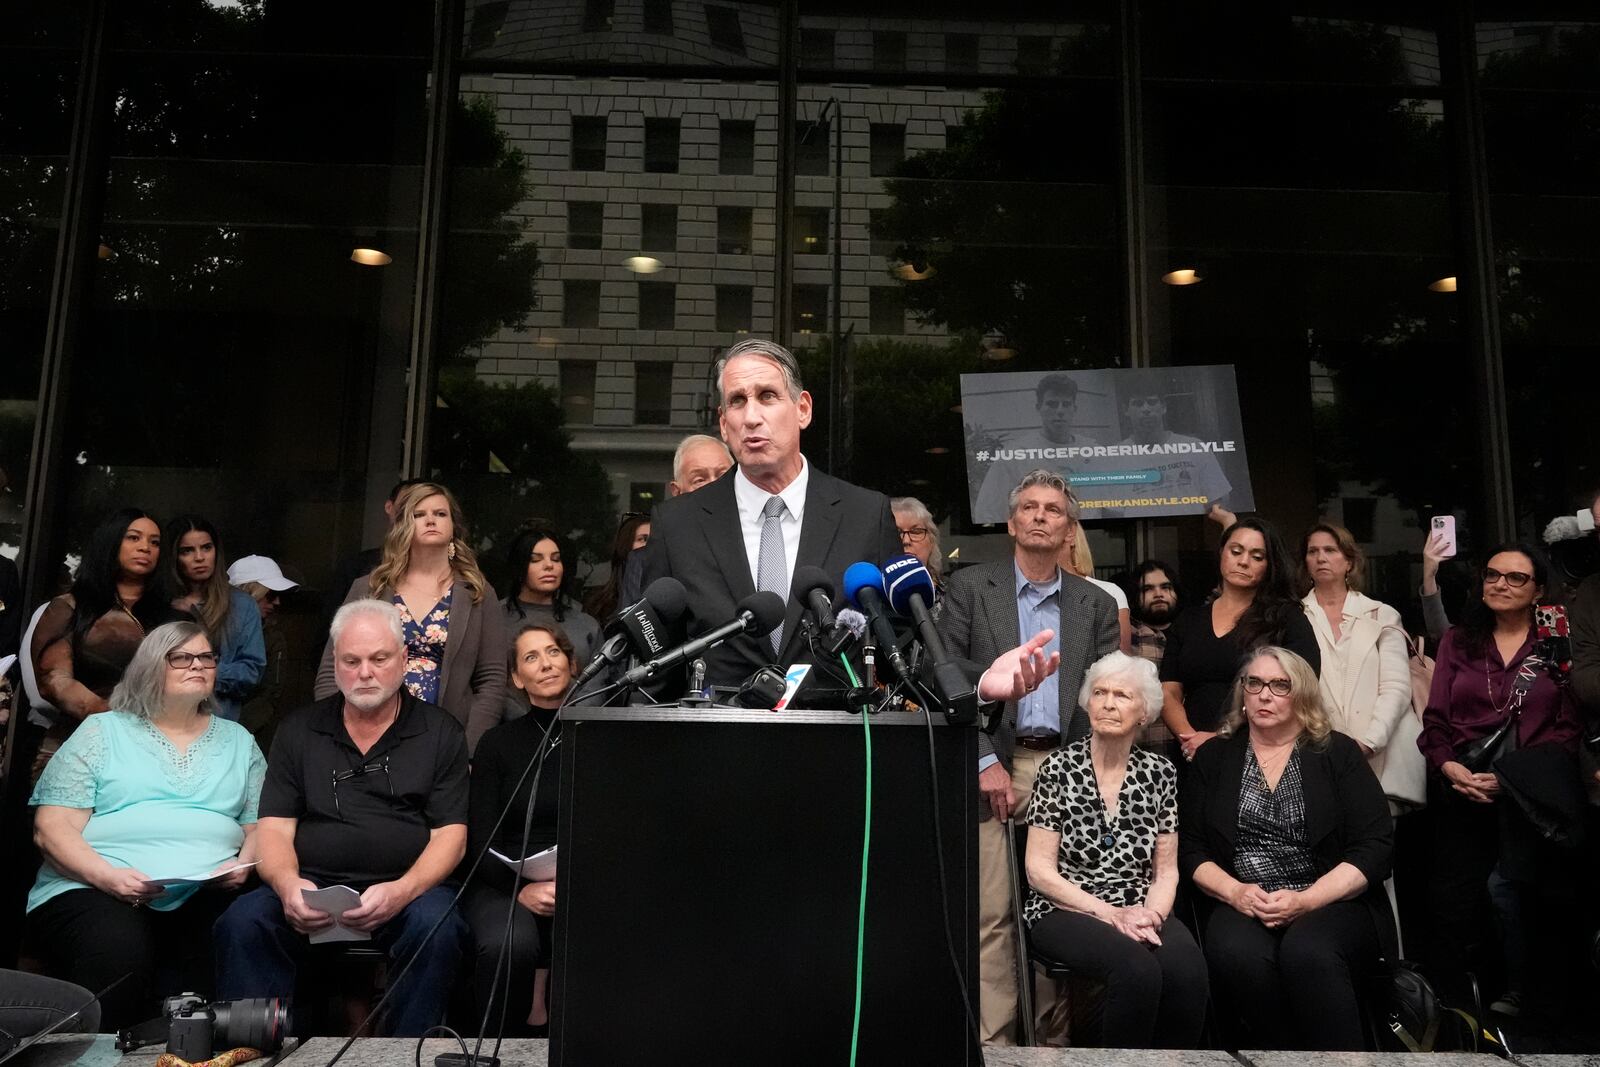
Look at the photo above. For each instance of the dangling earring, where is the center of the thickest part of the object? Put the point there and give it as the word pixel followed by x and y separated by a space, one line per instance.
pixel 451 552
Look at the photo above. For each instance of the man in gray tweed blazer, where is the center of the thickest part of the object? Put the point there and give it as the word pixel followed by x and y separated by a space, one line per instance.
pixel 986 610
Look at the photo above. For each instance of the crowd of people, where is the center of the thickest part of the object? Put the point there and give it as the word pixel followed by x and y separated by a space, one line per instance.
pixel 1212 792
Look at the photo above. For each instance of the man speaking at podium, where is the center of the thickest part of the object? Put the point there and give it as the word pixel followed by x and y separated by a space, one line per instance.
pixel 749 529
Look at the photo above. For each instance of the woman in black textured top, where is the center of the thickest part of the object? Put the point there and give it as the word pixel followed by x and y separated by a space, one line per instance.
pixel 1257 605
pixel 1284 825
pixel 541 669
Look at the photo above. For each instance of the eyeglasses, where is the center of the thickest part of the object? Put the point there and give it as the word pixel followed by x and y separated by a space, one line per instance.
pixel 915 534
pixel 361 772
pixel 207 661
pixel 1280 686
pixel 1515 579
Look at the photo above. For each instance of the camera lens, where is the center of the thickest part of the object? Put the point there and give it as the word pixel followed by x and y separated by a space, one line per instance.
pixel 259 1023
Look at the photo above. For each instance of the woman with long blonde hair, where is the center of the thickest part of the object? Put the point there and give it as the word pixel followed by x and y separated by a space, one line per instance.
pixel 1284 829
pixel 455 632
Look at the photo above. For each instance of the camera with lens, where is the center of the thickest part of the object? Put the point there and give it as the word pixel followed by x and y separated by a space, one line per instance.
pixel 194 1027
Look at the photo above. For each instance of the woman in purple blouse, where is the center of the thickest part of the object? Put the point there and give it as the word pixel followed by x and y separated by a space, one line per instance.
pixel 1491 873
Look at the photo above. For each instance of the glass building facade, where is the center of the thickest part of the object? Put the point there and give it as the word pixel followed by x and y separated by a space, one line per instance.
pixel 261 259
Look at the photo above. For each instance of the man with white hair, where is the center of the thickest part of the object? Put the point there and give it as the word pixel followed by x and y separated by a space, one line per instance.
pixel 700 460
pixel 366 789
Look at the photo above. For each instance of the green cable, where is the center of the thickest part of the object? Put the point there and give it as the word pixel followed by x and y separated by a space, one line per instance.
pixel 866 843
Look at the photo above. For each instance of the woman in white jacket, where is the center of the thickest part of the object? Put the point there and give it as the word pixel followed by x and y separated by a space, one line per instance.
pixel 1366 680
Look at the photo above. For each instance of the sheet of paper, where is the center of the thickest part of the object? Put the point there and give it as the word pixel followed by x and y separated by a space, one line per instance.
pixel 335 900
pixel 539 867
pixel 195 879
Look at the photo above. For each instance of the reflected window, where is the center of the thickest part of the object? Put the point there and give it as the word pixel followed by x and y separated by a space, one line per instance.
pixel 657 305
pixel 810 305
pixel 1033 55
pixel 961 53
pixel 810 231
pixel 661 146
pixel 889 50
pixel 888 148
pixel 733 231
pixel 736 149
pixel 882 243
pixel 652 394
pixel 887 310
pixel 658 17
pixel 658 227
pixel 487 19
pixel 735 308
pixel 580 303
pixel 723 25
pixel 585 223
pixel 577 390
pixel 597 15
pixel 811 148
pixel 588 142
pixel 816 48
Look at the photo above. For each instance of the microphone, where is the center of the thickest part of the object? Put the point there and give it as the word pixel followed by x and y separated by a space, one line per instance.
pixel 854 621
pixel 640 628
pixel 910 589
pixel 815 589
pixel 863 584
pixel 758 615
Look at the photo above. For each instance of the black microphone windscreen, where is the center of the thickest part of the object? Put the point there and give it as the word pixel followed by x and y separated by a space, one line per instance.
pixel 668 597
pixel 767 608
pixel 808 579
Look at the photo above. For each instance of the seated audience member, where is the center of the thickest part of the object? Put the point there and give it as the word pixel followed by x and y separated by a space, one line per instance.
pixel 1076 558
pixel 261 579
pixel 455 652
pixel 366 789
pixel 30 1003
pixel 1285 826
pixel 1103 864
pixel 85 638
pixel 196 575
pixel 1206 646
pixel 538 593
pixel 919 536
pixel 541 672
pixel 1493 671
pixel 158 787
pixel 1366 673
pixel 633 534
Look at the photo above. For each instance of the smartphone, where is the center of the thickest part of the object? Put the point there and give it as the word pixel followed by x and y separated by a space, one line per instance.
pixel 1445 527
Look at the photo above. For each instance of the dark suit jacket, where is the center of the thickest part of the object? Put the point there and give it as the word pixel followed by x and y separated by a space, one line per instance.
pixel 696 539
pixel 978 621
pixel 1347 816
pixel 472 678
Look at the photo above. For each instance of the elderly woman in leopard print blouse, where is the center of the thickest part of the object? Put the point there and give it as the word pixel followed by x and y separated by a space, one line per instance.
pixel 1103 865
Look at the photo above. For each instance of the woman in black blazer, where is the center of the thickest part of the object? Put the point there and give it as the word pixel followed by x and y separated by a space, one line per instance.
pixel 1284 825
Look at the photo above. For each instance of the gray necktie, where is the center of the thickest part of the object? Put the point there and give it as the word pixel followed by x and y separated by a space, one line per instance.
pixel 772 569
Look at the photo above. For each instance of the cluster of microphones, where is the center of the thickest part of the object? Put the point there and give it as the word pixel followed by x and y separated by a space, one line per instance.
pixel 889 617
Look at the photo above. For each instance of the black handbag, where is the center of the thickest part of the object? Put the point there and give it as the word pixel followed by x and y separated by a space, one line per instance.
pixel 1420 1022
pixel 1481 755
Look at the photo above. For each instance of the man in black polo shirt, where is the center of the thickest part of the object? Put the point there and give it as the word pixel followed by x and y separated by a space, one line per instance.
pixel 366 789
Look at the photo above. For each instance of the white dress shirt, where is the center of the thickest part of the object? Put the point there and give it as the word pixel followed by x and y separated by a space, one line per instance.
pixel 751 498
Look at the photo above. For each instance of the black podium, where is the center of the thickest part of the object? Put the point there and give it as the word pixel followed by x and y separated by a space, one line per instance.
pixel 710 864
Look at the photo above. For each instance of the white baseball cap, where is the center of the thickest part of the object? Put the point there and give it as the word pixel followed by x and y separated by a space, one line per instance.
pixel 259 569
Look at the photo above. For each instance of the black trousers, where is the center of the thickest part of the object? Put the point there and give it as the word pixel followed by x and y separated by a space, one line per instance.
pixel 529 949
pixel 1459 932
pixel 1295 987
pixel 31 1002
pixel 90 938
pixel 1155 994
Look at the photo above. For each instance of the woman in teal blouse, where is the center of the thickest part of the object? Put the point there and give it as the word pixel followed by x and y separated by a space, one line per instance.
pixel 156 788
